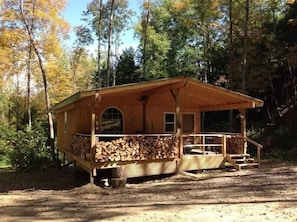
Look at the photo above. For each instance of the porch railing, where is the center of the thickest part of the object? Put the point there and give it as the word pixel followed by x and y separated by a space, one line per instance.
pixel 258 147
pixel 126 147
pixel 109 147
pixel 204 144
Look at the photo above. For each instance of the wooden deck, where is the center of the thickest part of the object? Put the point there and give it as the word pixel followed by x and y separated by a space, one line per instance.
pixel 193 152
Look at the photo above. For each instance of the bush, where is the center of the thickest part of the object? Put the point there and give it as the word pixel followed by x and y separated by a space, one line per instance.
pixel 6 134
pixel 30 149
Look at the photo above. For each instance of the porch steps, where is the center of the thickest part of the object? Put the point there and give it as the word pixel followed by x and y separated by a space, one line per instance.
pixel 239 161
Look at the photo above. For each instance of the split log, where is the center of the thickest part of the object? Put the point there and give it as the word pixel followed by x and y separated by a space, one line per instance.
pixel 126 149
pixel 80 146
pixel 234 144
pixel 136 148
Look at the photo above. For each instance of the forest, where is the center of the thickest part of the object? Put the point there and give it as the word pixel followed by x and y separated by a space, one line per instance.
pixel 243 45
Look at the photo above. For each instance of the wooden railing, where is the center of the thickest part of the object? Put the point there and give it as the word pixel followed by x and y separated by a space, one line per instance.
pixel 126 147
pixel 257 145
pixel 204 144
pixel 191 144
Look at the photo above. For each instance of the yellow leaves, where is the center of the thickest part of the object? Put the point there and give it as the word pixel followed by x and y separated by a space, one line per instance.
pixel 291 1
pixel 188 22
pixel 59 81
pixel 214 5
pixel 179 6
pixel 46 26
pixel 146 5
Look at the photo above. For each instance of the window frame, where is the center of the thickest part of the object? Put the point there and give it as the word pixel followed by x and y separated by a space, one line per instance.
pixel 122 120
pixel 169 122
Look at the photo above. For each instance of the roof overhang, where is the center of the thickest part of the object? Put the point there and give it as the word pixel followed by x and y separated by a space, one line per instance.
pixel 206 96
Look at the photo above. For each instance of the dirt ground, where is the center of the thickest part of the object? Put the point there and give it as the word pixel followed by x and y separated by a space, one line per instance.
pixel 268 193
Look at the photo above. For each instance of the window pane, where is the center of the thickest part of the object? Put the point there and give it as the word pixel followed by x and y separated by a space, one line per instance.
pixel 169 127
pixel 169 117
pixel 112 121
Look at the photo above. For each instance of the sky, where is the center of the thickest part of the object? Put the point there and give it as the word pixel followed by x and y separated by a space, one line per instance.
pixel 73 14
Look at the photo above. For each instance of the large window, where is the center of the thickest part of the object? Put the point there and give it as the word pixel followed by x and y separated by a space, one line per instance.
pixel 169 122
pixel 112 121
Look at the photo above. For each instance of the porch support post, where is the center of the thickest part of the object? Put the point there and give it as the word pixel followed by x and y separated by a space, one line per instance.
pixel 93 128
pixel 176 95
pixel 243 128
pixel 224 147
pixel 93 122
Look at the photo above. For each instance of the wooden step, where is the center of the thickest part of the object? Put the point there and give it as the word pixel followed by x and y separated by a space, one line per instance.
pixel 233 156
pixel 251 160
pixel 246 165
pixel 238 161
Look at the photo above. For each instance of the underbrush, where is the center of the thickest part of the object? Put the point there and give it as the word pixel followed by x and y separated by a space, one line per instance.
pixel 279 143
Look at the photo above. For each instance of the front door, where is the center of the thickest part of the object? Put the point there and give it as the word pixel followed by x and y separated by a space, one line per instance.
pixel 188 123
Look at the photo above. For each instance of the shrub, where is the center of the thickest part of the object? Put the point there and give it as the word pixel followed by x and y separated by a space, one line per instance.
pixel 6 134
pixel 29 149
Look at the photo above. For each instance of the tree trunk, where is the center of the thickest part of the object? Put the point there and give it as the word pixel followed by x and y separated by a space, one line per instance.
pixel 44 77
pixel 245 46
pixel 145 40
pixel 231 50
pixel 99 45
pixel 29 87
pixel 109 42
pixel 78 53
pixel 231 57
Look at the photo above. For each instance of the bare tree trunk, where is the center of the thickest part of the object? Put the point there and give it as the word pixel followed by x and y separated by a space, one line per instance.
pixel 116 52
pixel 231 57
pixel 99 45
pixel 77 55
pixel 231 50
pixel 44 77
pixel 109 42
pixel 29 87
pixel 245 46
pixel 145 40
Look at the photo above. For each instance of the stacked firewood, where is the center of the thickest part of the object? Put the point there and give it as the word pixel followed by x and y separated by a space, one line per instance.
pixel 126 149
pixel 136 148
pixel 80 146
pixel 234 144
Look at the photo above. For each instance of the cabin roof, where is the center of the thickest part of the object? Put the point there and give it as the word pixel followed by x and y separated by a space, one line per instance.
pixel 206 96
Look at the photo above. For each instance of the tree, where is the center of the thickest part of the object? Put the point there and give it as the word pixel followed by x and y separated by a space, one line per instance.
pixel 107 20
pixel 42 27
pixel 126 69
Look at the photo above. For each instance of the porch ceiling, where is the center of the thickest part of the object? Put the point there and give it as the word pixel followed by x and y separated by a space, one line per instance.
pixel 193 92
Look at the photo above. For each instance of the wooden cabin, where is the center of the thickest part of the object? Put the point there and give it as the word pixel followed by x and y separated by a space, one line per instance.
pixel 151 128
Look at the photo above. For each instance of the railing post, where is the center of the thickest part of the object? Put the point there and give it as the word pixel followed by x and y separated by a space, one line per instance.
pixel 181 146
pixel 224 147
pixel 259 154
pixel 203 143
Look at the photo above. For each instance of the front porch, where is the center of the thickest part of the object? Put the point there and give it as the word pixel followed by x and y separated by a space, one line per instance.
pixel 153 154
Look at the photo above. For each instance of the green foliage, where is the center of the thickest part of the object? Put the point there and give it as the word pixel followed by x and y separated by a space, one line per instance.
pixel 126 71
pixel 29 149
pixel 6 133
pixel 279 142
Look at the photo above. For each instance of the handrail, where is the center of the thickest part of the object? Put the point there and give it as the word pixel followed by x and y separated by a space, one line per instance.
pixel 122 135
pixel 200 140
pixel 253 142
pixel 258 145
